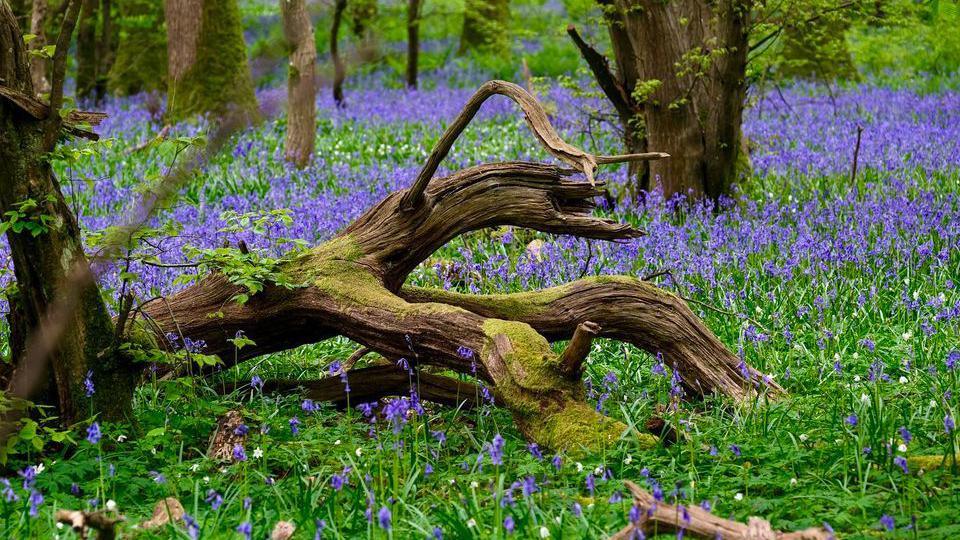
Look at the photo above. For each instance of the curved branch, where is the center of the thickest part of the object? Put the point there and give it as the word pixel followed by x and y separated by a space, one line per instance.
pixel 521 194
pixel 628 310
pixel 538 121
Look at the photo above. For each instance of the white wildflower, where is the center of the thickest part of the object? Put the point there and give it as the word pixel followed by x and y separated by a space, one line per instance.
pixel 544 532
pixel 738 496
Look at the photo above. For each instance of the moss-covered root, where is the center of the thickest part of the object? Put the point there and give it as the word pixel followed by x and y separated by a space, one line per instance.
pixel 930 462
pixel 578 429
pixel 547 404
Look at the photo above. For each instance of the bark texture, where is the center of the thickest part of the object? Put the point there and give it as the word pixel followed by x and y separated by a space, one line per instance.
pixel 208 71
pixel 679 87
pixel 301 82
pixel 352 286
pixel 485 25
pixel 48 265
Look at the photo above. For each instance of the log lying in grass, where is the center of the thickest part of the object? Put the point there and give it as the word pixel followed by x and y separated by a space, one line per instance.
pixel 81 521
pixel 657 517
pixel 352 286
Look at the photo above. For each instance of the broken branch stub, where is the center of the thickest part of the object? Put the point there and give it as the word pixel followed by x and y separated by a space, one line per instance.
pixel 352 286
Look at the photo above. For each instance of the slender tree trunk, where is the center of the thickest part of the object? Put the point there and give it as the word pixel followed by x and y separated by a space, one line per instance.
pixel 679 88
pixel 339 70
pixel 208 71
pixel 106 49
pixel 38 64
pixel 413 41
pixel 485 25
pixel 87 49
pixel 141 54
pixel 301 82
pixel 48 264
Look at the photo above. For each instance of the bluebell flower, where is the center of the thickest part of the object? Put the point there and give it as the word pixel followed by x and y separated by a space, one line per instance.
pixel 534 450
pixel 385 519
pixel 88 384
pixel 36 499
pixel 496 450
pixel 214 499
pixel 239 454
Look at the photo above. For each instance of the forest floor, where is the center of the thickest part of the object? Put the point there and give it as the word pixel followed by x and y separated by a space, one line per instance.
pixel 845 291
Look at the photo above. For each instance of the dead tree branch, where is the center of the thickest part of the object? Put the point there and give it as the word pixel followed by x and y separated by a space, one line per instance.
pixel 659 517
pixel 351 286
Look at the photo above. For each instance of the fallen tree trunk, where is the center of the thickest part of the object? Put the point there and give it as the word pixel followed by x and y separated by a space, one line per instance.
pixel 352 286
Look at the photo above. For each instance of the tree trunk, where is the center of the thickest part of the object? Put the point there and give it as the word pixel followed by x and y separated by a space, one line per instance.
pixel 141 57
pixel 50 267
pixel 106 49
pixel 413 41
pixel 680 88
pixel 353 286
pixel 301 82
pixel 87 50
pixel 485 25
pixel 339 70
pixel 38 64
pixel 208 71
